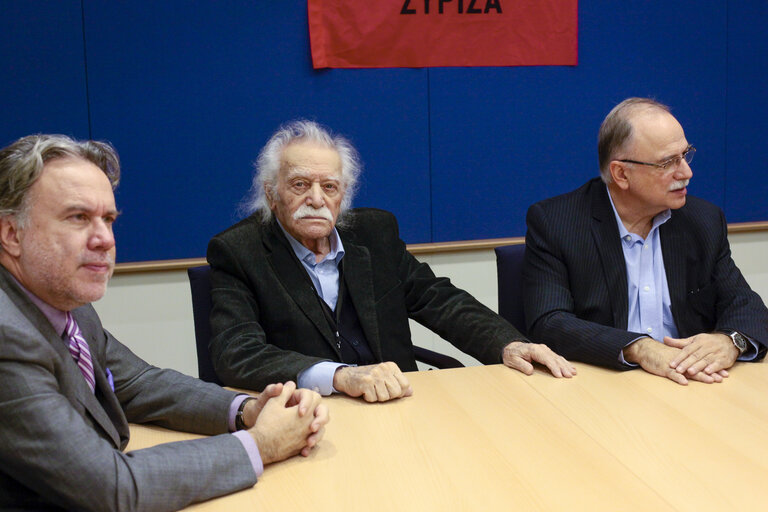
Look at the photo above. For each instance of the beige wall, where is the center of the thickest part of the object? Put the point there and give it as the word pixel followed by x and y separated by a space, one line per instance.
pixel 152 312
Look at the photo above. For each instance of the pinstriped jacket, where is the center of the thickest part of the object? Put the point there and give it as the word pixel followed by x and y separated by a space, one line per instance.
pixel 576 284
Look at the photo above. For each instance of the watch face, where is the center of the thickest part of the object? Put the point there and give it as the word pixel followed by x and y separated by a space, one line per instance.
pixel 739 341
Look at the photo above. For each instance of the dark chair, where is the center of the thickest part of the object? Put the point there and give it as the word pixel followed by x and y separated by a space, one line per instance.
pixel 509 270
pixel 200 283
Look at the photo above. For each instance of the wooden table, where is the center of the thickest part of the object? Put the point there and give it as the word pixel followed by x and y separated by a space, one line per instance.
pixel 485 438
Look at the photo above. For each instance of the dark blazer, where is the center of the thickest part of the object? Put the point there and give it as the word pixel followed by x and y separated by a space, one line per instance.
pixel 61 444
pixel 576 280
pixel 268 324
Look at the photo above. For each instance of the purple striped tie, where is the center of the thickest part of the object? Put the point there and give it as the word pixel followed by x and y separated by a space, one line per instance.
pixel 79 350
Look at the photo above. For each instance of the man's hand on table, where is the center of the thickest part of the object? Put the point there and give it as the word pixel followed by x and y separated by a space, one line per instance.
pixel 711 353
pixel 375 383
pixel 656 358
pixel 285 421
pixel 520 356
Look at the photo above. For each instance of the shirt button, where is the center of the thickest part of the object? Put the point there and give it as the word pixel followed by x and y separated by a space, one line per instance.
pixel 645 246
pixel 646 288
pixel 650 329
pixel 627 238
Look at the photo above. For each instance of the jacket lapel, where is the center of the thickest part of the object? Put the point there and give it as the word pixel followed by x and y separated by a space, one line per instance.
pixel 78 389
pixel 358 279
pixel 606 235
pixel 674 250
pixel 296 282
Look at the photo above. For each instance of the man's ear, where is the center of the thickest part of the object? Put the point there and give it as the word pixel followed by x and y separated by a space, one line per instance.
pixel 619 174
pixel 9 235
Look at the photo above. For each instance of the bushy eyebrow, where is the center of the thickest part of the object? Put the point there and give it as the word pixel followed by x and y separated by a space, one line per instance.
pixel 75 208
pixel 300 172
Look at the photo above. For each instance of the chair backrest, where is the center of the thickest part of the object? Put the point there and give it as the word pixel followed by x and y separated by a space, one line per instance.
pixel 509 270
pixel 200 283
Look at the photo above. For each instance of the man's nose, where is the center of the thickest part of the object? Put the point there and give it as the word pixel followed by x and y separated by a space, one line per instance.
pixel 315 197
pixel 102 236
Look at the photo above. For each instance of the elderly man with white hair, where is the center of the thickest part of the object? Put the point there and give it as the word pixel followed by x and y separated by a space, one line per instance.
pixel 308 289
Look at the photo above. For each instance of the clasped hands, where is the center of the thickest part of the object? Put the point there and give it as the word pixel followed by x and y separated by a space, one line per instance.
pixel 285 421
pixel 704 357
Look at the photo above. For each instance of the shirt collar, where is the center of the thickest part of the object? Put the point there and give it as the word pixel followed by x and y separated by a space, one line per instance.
pixel 307 256
pixel 658 220
pixel 57 317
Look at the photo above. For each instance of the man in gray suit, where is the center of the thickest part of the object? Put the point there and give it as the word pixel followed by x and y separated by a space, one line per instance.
pixel 307 289
pixel 69 389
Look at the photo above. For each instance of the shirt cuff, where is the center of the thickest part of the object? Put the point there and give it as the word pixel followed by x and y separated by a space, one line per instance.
pixel 752 350
pixel 319 377
pixel 251 449
pixel 621 353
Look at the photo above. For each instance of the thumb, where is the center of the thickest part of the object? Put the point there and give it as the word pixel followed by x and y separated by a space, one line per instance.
pixel 286 393
pixel 676 342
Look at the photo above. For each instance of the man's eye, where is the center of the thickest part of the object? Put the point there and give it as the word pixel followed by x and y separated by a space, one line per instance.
pixel 330 187
pixel 300 184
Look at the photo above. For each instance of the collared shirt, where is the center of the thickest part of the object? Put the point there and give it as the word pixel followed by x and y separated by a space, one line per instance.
pixel 58 320
pixel 325 278
pixel 649 303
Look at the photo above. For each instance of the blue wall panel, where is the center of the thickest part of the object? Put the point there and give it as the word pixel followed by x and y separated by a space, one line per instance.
pixel 43 87
pixel 746 182
pixel 189 96
pixel 189 92
pixel 503 138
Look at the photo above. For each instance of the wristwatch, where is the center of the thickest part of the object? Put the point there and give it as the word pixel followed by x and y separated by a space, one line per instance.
pixel 738 340
pixel 239 425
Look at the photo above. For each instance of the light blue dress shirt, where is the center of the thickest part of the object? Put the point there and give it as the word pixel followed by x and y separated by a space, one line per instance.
pixel 649 303
pixel 325 278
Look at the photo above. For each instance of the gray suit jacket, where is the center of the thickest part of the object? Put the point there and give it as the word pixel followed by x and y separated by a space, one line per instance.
pixel 576 278
pixel 268 324
pixel 61 445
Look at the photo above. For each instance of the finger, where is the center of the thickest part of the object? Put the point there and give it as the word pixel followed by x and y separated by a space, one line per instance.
pixel 369 393
pixel 273 390
pixel 703 377
pixel 520 364
pixel 687 360
pixel 699 366
pixel 402 380
pixel 305 399
pixel 677 377
pixel 393 387
pixel 677 342
pixel 382 394
pixel 286 393
pixel 723 373
pixel 322 416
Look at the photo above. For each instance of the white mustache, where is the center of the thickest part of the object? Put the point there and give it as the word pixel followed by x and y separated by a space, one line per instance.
pixel 307 211
pixel 678 185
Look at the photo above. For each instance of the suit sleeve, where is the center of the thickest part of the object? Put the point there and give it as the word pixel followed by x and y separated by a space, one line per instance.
pixel 737 306
pixel 240 352
pixel 450 312
pixel 48 447
pixel 549 272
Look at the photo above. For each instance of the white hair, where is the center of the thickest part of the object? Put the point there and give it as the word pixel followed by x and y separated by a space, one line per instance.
pixel 268 164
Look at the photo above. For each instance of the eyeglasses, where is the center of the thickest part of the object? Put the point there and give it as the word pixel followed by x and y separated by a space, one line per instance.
pixel 673 162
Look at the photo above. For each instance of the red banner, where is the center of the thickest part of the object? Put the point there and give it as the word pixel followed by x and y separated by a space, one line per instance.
pixel 425 33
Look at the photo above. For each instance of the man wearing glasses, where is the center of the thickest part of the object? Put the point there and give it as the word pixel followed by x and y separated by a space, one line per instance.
pixel 628 271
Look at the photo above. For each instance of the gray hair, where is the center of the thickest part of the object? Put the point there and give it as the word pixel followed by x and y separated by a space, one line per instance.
pixel 616 131
pixel 268 164
pixel 21 164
